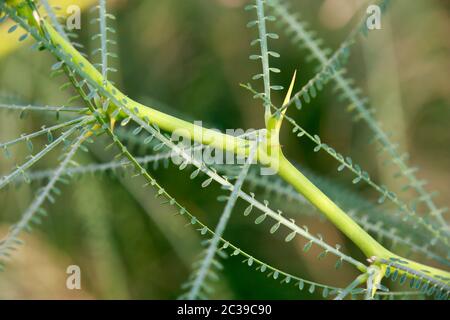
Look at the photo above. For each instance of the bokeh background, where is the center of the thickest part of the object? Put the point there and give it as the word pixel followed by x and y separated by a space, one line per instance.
pixel 188 58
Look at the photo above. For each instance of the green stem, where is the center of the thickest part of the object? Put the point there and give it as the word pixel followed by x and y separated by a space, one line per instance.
pixel 339 218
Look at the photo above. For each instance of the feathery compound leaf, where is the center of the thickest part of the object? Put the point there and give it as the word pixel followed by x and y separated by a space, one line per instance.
pixel 34 158
pixel 54 19
pixel 199 280
pixel 104 41
pixel 43 131
pixel 29 216
pixel 224 182
pixel 265 54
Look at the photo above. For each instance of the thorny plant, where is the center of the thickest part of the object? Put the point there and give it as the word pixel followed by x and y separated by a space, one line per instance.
pixel 105 106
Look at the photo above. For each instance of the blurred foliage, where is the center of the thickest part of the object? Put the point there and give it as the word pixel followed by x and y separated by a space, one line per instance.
pixel 188 58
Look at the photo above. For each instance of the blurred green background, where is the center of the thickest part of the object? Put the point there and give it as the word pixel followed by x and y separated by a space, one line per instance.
pixel 188 58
